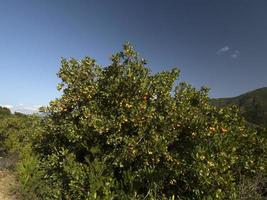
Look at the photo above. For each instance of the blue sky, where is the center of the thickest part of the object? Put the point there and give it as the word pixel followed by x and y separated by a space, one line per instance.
pixel 221 44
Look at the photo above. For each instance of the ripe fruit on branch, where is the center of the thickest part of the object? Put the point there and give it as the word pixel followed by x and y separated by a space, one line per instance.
pixel 223 130
pixel 212 129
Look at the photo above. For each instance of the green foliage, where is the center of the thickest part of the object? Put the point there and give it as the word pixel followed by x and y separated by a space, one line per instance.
pixel 16 133
pixel 30 174
pixel 121 132
pixel 4 111
pixel 253 105
pixel 9 125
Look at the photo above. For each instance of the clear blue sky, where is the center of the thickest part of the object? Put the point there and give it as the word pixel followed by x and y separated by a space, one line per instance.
pixel 221 44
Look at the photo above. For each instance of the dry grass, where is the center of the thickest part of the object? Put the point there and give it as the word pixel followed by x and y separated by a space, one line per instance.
pixel 8 185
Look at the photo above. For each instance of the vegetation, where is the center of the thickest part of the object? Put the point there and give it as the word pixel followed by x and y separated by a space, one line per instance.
pixel 121 132
pixel 253 105
pixel 16 136
pixel 4 112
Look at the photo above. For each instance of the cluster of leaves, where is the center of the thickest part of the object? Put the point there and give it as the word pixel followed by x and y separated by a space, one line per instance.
pixel 10 124
pixel 121 132
pixel 16 153
pixel 4 112
pixel 252 105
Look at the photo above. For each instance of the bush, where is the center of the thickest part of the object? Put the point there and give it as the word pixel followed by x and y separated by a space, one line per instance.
pixel 16 132
pixel 121 132
pixel 4 112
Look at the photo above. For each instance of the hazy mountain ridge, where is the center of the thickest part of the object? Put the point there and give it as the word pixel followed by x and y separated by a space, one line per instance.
pixel 252 105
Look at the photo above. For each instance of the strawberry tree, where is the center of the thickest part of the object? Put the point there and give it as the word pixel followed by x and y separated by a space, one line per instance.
pixel 121 132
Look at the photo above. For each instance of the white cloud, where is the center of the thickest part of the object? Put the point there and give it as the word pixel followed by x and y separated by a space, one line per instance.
pixel 223 50
pixel 7 106
pixel 235 54
pixel 26 109
pixel 229 52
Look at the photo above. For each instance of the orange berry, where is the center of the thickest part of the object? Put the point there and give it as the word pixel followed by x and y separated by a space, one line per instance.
pixel 212 129
pixel 223 130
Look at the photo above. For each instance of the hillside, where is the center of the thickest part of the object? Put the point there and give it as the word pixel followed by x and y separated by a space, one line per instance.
pixel 252 105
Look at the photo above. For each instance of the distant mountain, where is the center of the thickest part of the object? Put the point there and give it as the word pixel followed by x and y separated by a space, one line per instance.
pixel 252 105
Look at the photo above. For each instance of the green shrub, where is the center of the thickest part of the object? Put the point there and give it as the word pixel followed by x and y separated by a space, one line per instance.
pixel 30 174
pixel 4 112
pixel 121 132
pixel 16 132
